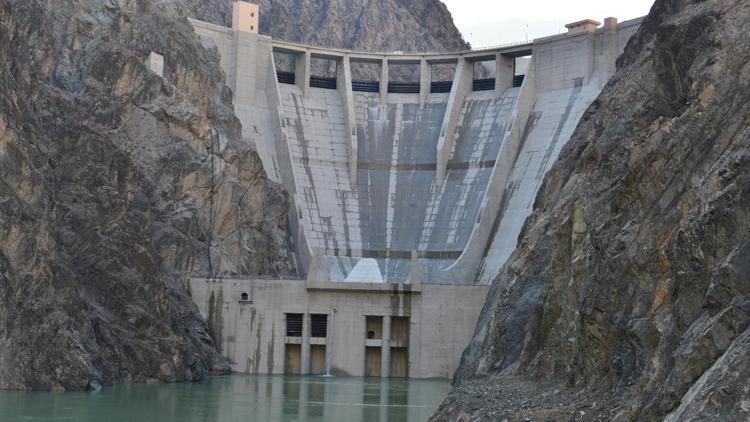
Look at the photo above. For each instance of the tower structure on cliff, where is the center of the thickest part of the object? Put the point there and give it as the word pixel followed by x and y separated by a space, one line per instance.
pixel 245 17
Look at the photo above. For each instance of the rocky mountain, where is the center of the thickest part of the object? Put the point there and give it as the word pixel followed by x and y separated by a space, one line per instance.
pixel 628 297
pixel 370 25
pixel 117 185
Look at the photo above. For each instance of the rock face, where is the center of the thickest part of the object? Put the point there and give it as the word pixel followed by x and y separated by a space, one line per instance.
pixel 628 297
pixel 368 25
pixel 115 185
pixel 382 25
pixel 371 25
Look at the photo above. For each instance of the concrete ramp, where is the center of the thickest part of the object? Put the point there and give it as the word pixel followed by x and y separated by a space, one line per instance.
pixel 480 133
pixel 551 123
pixel 319 153
pixel 366 271
pixel 397 206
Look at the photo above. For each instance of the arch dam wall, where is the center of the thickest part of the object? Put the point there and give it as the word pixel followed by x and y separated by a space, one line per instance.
pixel 431 180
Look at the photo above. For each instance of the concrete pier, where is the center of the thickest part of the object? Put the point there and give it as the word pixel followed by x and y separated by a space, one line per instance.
pixel 302 71
pixel 504 73
pixel 385 365
pixel 460 89
pixel 384 78
pixel 425 77
pixel 344 77
pixel 305 353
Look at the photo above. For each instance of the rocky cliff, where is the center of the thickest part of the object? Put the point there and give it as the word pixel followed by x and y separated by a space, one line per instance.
pixel 370 25
pixel 367 25
pixel 628 297
pixel 116 185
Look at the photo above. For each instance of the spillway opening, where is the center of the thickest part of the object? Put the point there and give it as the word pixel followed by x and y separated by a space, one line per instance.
pixel 323 72
pixel 441 77
pixel 484 75
pixel 366 76
pixel 285 67
pixel 403 77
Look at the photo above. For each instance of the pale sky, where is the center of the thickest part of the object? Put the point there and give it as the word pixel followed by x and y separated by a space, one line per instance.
pixel 491 22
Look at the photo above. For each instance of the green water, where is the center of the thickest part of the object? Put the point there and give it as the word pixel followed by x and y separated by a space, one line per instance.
pixel 236 398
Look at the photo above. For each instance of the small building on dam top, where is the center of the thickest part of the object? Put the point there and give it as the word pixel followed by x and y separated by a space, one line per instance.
pixel 410 176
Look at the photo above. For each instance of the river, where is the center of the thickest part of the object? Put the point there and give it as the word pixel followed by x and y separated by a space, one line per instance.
pixel 236 398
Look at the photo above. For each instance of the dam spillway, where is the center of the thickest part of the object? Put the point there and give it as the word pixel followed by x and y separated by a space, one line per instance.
pixel 397 205
pixel 414 179
pixel 407 194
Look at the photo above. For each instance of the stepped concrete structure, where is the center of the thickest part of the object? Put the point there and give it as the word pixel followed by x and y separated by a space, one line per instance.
pixel 408 189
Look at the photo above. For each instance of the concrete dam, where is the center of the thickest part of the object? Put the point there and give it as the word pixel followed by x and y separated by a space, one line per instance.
pixel 410 177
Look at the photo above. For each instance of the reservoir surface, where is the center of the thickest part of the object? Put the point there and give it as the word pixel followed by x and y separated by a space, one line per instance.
pixel 236 398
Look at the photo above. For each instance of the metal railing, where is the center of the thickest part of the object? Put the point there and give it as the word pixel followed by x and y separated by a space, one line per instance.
pixel 366 86
pixel 285 77
pixel 404 53
pixel 322 82
pixel 403 87
pixel 483 84
pixel 441 87
pixel 501 46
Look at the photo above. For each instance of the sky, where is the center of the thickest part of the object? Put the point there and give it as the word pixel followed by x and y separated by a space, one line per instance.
pixel 486 23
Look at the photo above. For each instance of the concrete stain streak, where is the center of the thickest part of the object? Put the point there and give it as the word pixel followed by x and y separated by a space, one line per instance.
pixel 550 123
pixel 258 344
pixel 271 342
pixel 481 129
pixel 564 119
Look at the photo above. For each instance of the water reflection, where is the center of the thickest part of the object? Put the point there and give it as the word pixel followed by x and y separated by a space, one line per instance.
pixel 237 398
pixel 388 400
